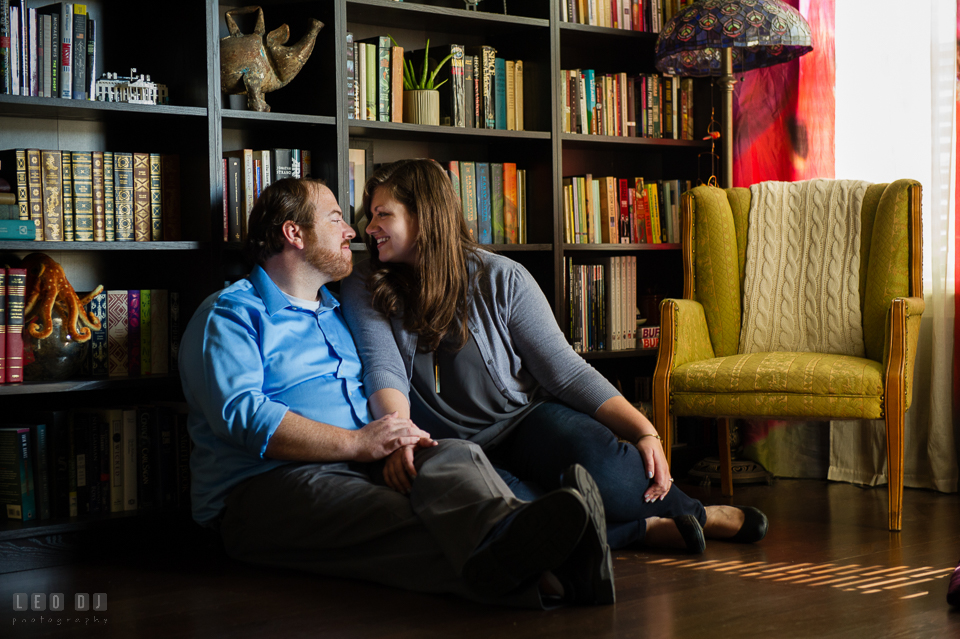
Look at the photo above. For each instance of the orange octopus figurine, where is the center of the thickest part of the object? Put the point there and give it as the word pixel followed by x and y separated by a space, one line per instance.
pixel 47 285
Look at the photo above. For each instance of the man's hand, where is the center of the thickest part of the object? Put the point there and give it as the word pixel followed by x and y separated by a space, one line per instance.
pixel 379 438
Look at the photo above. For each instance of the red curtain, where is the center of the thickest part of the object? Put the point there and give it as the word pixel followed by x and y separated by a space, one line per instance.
pixel 784 115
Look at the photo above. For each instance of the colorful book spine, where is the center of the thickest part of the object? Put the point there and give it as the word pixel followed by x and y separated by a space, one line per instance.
pixel 66 175
pixel 396 84
pixel 133 332
pixel 117 333
pixel 123 196
pixel 79 51
pixel 23 191
pixel 99 357
pixel 469 93
pixel 484 212
pixel 99 204
pixel 66 50
pixel 146 326
pixel 90 73
pixel 16 293
pixel 109 197
pixel 156 199
pixel 83 228
pixel 468 187
pixel 35 189
pixel 496 203
pixel 511 225
pixel 351 77
pixel 453 170
pixel 141 197
pixel 16 474
pixel 5 75
pixel 500 92
pixel 370 71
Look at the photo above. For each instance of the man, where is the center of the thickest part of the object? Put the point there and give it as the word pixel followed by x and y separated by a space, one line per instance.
pixel 284 443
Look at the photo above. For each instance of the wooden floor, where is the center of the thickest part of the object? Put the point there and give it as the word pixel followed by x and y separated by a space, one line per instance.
pixel 828 568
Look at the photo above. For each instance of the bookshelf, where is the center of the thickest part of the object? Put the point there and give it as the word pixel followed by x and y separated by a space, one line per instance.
pixel 310 113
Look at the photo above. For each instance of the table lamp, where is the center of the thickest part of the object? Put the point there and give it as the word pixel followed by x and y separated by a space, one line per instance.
pixel 716 37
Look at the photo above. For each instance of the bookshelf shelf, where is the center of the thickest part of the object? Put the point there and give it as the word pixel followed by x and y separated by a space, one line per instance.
pixel 584 140
pixel 88 384
pixel 57 109
pixel 100 246
pixel 631 352
pixel 239 118
pixel 414 132
pixel 620 247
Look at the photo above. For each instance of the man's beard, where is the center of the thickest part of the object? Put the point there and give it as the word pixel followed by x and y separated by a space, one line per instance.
pixel 334 264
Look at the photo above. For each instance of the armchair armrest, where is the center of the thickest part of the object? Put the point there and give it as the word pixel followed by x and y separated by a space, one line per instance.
pixel 901 337
pixel 683 338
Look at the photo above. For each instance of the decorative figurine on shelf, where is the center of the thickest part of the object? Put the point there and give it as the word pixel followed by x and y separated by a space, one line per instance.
pixel 56 327
pixel 133 89
pixel 471 4
pixel 254 64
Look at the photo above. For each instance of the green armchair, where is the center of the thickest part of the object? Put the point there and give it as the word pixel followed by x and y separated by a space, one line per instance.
pixel 700 373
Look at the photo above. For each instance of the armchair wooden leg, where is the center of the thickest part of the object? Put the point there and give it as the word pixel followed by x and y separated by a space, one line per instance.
pixel 726 458
pixel 894 423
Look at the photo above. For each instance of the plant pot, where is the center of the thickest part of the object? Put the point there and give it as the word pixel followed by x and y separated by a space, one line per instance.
pixel 421 107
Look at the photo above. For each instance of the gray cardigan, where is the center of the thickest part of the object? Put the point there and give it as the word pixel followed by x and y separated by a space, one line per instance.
pixel 512 324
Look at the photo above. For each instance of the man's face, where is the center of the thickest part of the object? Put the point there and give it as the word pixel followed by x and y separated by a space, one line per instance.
pixel 327 244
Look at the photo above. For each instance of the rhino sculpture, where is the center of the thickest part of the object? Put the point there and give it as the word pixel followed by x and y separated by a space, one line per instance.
pixel 253 65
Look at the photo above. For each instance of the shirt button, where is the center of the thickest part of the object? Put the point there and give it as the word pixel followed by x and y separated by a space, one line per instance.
pixel 489 361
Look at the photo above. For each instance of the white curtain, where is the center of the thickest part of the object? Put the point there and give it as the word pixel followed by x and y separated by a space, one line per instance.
pixel 905 128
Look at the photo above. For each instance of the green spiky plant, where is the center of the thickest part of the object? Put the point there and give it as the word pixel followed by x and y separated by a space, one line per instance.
pixel 411 82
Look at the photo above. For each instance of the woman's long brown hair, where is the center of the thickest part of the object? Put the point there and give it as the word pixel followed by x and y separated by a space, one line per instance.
pixel 431 297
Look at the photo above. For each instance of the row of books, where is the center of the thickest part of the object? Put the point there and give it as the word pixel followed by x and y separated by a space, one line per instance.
pixel 647 106
pixel 493 196
pixel 47 51
pixel 632 15
pixel 95 196
pixel 139 333
pixel 477 88
pixel 610 210
pixel 57 463
pixel 246 173
pixel 602 299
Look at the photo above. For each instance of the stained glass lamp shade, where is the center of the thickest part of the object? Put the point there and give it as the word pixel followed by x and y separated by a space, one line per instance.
pixel 714 37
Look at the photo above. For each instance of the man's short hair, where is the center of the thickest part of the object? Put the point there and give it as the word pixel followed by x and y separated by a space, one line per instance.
pixel 287 200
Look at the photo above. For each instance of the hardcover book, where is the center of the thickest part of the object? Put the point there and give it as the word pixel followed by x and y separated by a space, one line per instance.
pixel 133 332
pixel 146 328
pixel 99 205
pixel 130 455
pixel 485 73
pixel 351 77
pixel 99 360
pixel 13 166
pixel 83 196
pixel 79 51
pixel 468 187
pixel 114 419
pixel 117 332
pixel 16 292
pixel 469 94
pixel 396 84
pixel 500 92
pixel 123 204
pixel 147 453
pixel 35 190
pixel 452 93
pixel 234 200
pixel 3 325
pixel 170 196
pixel 141 198
pixel 16 474
pixel 511 223
pixel 109 197
pixel 484 210
pixel 453 170
pixel 66 49
pixel 511 99
pixel 52 179
pixel 496 203
pixel 156 198
pixel 159 331
pixel 382 68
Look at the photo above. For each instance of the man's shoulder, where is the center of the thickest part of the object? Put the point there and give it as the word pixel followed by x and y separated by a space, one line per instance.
pixel 239 297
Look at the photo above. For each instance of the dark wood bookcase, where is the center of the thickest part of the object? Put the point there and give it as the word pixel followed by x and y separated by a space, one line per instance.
pixel 178 45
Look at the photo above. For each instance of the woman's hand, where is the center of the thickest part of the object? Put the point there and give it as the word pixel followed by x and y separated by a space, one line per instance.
pixel 655 463
pixel 398 470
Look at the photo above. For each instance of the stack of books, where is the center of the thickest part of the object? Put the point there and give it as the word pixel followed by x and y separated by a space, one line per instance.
pixel 646 106
pixel 479 90
pixel 493 196
pixel 56 464
pixel 48 51
pixel 246 173
pixel 95 196
pixel 610 210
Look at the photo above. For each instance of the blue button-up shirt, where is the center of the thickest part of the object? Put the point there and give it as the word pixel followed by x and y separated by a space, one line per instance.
pixel 247 357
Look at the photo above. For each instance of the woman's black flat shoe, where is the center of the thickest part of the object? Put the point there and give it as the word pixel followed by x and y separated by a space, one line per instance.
pixel 754 526
pixel 692 533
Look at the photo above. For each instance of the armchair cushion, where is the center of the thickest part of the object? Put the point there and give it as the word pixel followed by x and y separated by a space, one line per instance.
pixel 780 384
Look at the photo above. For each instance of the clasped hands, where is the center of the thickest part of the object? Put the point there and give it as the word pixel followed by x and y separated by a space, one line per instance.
pixel 396 438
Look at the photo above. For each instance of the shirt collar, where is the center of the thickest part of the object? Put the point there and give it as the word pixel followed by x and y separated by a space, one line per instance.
pixel 273 298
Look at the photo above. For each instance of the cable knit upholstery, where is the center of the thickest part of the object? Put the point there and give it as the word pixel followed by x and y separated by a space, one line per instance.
pixel 701 372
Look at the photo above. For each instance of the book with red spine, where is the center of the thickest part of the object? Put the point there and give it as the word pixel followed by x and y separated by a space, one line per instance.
pixel 16 292
pixel 3 325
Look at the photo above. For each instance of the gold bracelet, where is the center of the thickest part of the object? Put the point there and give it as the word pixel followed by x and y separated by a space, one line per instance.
pixel 648 435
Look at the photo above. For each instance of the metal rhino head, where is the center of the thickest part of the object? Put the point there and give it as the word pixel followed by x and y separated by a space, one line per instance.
pixel 253 65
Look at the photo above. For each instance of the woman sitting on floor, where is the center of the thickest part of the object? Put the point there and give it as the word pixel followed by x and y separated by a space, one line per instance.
pixel 464 341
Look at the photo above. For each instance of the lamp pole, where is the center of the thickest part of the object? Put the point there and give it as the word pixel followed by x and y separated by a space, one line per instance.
pixel 727 82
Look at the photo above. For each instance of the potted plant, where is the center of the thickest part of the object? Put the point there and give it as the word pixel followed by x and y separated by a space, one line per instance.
pixel 421 99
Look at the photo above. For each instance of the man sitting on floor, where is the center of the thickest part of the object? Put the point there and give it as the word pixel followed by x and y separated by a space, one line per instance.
pixel 284 446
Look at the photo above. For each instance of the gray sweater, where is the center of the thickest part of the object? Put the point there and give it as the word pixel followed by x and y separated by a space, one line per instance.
pixel 512 324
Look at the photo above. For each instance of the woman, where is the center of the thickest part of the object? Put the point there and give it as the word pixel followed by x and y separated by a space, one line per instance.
pixel 464 342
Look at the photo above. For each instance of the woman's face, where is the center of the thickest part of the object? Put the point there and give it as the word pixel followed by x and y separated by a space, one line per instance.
pixel 394 228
